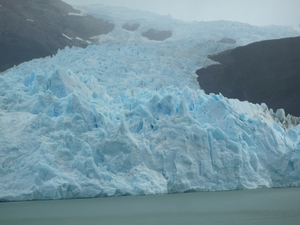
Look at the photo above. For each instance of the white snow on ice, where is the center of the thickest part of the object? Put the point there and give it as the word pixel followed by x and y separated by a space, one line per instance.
pixel 128 117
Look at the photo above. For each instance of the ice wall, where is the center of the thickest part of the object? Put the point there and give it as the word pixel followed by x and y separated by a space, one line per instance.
pixel 129 118
pixel 65 135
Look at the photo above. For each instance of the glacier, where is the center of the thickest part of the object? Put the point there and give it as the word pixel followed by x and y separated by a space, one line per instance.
pixel 127 117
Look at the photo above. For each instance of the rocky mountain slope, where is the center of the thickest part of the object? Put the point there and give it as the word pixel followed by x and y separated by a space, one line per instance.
pixel 34 28
pixel 266 71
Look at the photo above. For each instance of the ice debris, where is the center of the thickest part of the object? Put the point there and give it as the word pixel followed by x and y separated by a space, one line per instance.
pixel 285 121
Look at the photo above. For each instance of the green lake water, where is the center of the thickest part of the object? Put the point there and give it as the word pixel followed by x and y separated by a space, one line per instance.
pixel 262 206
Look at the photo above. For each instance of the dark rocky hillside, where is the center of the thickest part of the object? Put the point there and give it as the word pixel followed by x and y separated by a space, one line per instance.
pixel 266 71
pixel 37 28
pixel 157 35
pixel 131 27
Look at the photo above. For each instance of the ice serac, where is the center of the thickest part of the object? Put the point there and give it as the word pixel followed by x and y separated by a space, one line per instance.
pixel 63 135
pixel 129 118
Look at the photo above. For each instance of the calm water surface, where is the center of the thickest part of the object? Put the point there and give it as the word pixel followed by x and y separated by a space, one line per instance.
pixel 264 206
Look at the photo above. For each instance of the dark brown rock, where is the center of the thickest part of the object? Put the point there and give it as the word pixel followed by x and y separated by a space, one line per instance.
pixel 227 41
pixel 266 71
pixel 157 35
pixel 131 27
pixel 34 28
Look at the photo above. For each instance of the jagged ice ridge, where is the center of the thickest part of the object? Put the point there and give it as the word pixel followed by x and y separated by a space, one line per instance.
pixel 130 119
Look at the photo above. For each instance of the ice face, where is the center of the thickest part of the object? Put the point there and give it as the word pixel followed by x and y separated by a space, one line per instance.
pixel 129 118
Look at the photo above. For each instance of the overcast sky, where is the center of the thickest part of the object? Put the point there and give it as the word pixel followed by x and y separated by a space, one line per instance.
pixel 255 12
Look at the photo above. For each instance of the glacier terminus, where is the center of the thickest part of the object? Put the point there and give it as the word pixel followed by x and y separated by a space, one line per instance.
pixel 127 117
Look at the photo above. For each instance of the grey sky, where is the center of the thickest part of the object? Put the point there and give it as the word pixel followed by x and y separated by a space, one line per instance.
pixel 255 12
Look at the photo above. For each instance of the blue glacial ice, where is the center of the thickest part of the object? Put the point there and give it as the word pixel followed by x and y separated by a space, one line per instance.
pixel 129 118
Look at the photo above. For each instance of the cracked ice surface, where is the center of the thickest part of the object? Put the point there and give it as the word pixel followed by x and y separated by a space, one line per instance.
pixel 129 118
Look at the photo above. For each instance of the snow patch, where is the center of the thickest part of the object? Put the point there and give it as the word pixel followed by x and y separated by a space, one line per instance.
pixel 67 37
pixel 79 39
pixel 104 38
pixel 77 14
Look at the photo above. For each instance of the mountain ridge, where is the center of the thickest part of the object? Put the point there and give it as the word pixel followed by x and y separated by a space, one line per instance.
pixel 261 72
pixel 34 28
